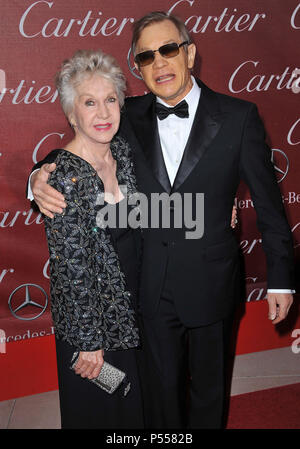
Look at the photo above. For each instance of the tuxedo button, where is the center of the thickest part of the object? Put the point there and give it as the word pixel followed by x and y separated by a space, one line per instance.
pixel 170 244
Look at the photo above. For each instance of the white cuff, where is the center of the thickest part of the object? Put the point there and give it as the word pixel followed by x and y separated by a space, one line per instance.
pixel 29 191
pixel 280 290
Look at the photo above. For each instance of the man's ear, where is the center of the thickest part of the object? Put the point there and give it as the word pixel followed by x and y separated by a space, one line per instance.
pixel 191 55
pixel 138 69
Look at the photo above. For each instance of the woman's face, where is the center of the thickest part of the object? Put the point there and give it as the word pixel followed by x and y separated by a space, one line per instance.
pixel 96 110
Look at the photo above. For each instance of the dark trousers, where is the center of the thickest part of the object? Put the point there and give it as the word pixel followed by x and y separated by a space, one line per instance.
pixel 184 373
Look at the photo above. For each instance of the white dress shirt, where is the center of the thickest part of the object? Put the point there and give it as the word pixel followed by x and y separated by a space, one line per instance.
pixel 174 132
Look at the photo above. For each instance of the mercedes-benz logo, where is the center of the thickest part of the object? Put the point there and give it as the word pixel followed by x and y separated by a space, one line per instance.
pixel 281 164
pixel 16 305
pixel 132 66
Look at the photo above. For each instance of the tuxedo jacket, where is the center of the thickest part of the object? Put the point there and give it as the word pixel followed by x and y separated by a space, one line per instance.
pixel 226 145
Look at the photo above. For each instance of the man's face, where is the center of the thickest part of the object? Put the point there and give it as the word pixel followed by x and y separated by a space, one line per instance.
pixel 168 78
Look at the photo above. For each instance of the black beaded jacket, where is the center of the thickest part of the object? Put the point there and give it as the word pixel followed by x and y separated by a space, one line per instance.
pixel 91 305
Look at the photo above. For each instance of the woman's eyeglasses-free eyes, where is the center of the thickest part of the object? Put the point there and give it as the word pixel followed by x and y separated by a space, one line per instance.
pixel 167 51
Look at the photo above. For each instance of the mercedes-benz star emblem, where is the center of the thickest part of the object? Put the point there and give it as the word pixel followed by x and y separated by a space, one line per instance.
pixel 281 164
pixel 132 67
pixel 16 305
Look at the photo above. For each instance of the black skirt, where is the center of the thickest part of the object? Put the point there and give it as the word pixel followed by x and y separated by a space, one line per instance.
pixel 84 405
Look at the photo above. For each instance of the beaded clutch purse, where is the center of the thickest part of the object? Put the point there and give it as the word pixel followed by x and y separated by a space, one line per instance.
pixel 109 379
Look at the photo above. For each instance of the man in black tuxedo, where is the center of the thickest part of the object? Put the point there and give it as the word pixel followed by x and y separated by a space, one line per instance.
pixel 189 286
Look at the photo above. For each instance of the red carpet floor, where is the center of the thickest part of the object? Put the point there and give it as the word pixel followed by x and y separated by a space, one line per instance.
pixel 275 408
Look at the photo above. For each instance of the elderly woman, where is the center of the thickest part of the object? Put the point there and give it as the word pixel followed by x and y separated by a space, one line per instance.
pixel 92 297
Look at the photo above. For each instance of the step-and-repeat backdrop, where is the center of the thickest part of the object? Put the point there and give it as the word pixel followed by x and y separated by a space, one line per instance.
pixel 246 49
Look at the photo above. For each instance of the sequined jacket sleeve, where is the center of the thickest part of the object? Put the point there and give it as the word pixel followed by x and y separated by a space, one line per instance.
pixel 90 304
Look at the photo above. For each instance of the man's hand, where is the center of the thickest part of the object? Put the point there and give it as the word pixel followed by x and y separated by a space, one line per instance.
pixel 49 200
pixel 234 219
pixel 279 306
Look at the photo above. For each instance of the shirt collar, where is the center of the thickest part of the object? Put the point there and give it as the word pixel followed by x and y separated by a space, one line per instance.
pixel 192 98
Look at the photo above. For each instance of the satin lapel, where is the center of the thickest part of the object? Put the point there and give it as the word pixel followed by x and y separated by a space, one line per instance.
pixel 207 123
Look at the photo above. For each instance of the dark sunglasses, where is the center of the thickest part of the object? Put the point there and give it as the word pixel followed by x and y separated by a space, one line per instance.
pixel 167 51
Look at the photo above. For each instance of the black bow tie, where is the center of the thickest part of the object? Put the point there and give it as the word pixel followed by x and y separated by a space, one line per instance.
pixel 181 110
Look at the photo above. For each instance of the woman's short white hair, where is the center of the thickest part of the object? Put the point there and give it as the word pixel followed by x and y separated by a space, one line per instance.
pixel 83 64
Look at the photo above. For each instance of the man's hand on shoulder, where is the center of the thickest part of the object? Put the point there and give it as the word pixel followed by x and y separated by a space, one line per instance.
pixel 49 200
